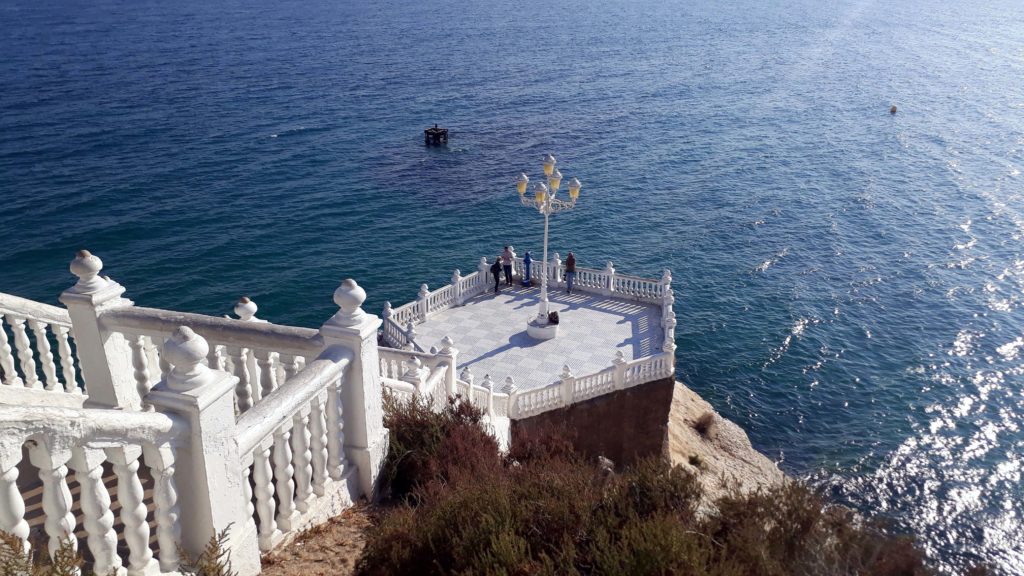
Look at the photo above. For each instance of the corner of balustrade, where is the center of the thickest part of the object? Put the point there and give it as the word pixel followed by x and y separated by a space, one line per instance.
pixel 366 438
pixel 209 462
pixel 105 357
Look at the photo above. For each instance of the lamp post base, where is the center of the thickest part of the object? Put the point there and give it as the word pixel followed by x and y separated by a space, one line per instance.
pixel 541 331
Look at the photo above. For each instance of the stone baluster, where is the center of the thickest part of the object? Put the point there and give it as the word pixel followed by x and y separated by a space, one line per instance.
pixel 335 419
pixel 488 384
pixel 161 463
pixel 67 361
pixel 131 497
pixel 422 302
pixel 567 382
pixel 287 515
pixel 302 459
pixel 366 439
pixel 449 351
pixel 318 443
pixel 513 396
pixel 266 506
pixel 25 355
pixel 457 286
pixel 105 358
pixel 609 272
pixel 209 458
pixel 247 490
pixel 95 501
pixel 12 505
pixel 57 503
pixel 45 354
pixel 140 363
pixel 11 377
pixel 240 368
pixel 266 360
pixel 619 372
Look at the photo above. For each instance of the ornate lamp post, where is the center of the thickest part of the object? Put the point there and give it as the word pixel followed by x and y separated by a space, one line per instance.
pixel 544 200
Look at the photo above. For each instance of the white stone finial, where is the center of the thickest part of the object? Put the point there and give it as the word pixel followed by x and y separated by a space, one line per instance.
pixel 386 312
pixel 666 277
pixel 510 385
pixel 456 276
pixel 433 350
pixel 424 291
pixel 349 297
pixel 410 330
pixel 488 383
pixel 447 345
pixel 415 363
pixel 483 265
pixel 566 372
pixel 466 375
pixel 670 324
pixel 185 351
pixel 246 309
pixel 87 267
pixel 609 267
pixel 620 358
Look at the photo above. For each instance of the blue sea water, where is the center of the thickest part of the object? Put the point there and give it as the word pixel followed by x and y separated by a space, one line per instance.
pixel 850 282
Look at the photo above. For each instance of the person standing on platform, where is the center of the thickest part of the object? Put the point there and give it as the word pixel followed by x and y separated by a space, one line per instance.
pixel 570 272
pixel 507 257
pixel 496 272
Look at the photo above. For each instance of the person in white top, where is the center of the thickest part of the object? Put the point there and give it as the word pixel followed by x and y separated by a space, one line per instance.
pixel 507 257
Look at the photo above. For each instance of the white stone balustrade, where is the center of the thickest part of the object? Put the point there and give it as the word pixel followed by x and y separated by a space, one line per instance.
pixel 62 440
pixel 40 346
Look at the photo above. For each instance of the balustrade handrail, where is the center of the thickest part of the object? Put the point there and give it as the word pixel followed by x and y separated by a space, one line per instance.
pixel 390 325
pixel 32 310
pixel 277 408
pixel 98 427
pixel 227 331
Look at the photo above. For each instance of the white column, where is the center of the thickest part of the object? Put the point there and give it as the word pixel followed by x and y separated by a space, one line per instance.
pixel 57 503
pixel 161 463
pixel 25 353
pixel 209 463
pixel 513 397
pixel 457 286
pixel 262 476
pixel 566 385
pixel 67 361
pixel 302 459
pixel 449 351
pixel 12 505
pixel 95 501
pixel 11 377
pixel 318 443
pixel 45 354
pixel 609 272
pixel 106 358
pixel 619 365
pixel 131 496
pixel 366 438
pixel 421 299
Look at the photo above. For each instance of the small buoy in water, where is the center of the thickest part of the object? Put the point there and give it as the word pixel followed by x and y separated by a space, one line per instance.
pixel 892 110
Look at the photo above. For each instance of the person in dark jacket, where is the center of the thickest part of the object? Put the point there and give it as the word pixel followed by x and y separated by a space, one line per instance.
pixel 496 272
pixel 570 272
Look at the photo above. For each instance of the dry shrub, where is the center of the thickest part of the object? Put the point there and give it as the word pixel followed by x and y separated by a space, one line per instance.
pixel 704 424
pixel 545 510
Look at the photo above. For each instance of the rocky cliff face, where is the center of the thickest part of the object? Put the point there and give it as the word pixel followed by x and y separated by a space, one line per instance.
pixel 661 418
pixel 715 449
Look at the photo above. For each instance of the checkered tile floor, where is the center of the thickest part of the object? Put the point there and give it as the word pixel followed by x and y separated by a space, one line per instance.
pixel 490 334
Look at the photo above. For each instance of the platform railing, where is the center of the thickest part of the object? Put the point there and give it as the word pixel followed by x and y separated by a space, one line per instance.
pixel 37 351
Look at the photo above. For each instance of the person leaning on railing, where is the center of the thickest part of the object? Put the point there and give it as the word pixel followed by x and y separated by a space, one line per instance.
pixel 570 272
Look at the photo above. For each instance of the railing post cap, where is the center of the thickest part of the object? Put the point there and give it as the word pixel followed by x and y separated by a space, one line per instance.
pixel 246 308
pixel 447 345
pixel 666 276
pixel 185 351
pixel 349 297
pixel 609 266
pixel 510 385
pixel 620 358
pixel 87 266
pixel 566 372
pixel 387 309
pixel 424 290
pixel 456 275
pixel 466 373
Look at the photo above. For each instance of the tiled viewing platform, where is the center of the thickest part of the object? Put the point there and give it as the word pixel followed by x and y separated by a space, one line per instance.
pixel 489 331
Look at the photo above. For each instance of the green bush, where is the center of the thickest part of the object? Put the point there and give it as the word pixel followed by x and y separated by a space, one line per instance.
pixel 544 510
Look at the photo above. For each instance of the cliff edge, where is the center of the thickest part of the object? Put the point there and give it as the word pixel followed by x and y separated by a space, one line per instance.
pixel 715 449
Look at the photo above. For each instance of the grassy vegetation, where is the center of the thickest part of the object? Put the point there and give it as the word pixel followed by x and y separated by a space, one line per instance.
pixel 460 507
